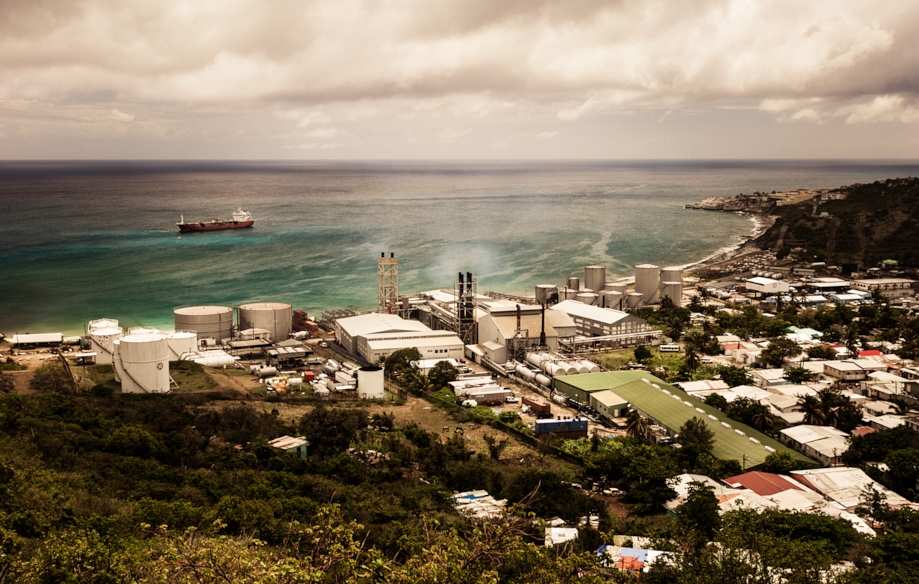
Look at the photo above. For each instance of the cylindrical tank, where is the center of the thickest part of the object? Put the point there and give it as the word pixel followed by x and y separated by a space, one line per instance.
pixel 590 366
pixel 266 371
pixel 213 359
pixel 275 317
pixel 206 321
pixel 556 370
pixel 647 279
pixel 574 283
pixel 568 293
pixel 672 274
pixel 587 298
pixel 116 360
pixel 614 299
pixel 674 290
pixel 595 277
pixel 616 287
pixel 544 291
pixel 535 359
pixel 294 381
pixel 777 276
pixel 370 382
pixel 633 300
pixel 522 371
pixel 543 380
pixel 102 335
pixel 579 367
pixel 559 399
pixel 144 363
pixel 181 342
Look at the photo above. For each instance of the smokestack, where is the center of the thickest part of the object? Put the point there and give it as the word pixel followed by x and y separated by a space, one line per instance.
pixel 392 255
pixel 518 317
pixel 542 331
pixel 468 280
pixel 382 254
pixel 460 277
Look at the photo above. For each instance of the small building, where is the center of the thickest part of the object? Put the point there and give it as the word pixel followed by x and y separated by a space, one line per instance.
pixel 767 285
pixel 825 443
pixel 291 444
pixel 38 340
pixel 608 404
pixel 844 371
pixel 607 326
pixel 845 486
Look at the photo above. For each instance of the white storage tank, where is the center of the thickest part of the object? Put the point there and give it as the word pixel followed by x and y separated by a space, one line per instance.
pixel 560 399
pixel 647 280
pixel 615 299
pixel 672 274
pixel 535 359
pixel 275 317
pixel 674 290
pixel 370 382
pixel 525 373
pixel 595 278
pixel 633 300
pixel 556 369
pixel 590 366
pixel 214 322
pixel 616 287
pixel 574 283
pixel 543 380
pixel 570 367
pixel 569 293
pixel 102 335
pixel 143 362
pixel 181 342
pixel 588 298
pixel 544 292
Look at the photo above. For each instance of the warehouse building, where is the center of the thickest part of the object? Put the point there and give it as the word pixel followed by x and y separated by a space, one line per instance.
pixel 376 336
pixel 888 287
pixel 671 407
pixel 607 326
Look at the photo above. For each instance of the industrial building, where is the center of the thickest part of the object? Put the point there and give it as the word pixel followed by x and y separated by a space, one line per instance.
pixel 507 329
pixel 767 286
pixel 376 336
pixel 671 407
pixel 607 326
pixel 888 287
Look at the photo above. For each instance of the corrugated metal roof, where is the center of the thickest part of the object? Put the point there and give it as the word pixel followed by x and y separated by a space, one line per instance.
pixel 532 323
pixel 763 483
pixel 38 338
pixel 590 312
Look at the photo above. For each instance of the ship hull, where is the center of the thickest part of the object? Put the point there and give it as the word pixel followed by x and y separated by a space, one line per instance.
pixel 212 226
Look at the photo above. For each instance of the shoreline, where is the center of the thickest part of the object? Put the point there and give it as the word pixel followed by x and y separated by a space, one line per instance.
pixel 761 223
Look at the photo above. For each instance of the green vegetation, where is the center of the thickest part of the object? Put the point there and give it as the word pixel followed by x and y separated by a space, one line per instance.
pixel 877 221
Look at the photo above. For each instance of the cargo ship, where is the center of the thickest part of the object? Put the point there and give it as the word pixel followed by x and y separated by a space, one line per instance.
pixel 238 220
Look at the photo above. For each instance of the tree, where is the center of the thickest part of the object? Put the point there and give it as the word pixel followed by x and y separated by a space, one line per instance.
pixel 636 426
pixel 691 359
pixel 734 376
pixel 717 401
pixel 6 383
pixel 798 375
pixel 696 439
pixel 495 446
pixel 904 469
pixel 401 361
pixel 642 353
pixel 779 350
pixel 901 406
pixel 441 374
pixel 813 412
pixel 646 478
pixel 780 463
pixel 698 516
pixel 823 353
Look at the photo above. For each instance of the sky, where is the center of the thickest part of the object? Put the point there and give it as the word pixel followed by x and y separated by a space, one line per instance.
pixel 459 79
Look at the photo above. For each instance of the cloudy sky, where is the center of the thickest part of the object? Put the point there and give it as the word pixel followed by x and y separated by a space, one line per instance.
pixel 270 79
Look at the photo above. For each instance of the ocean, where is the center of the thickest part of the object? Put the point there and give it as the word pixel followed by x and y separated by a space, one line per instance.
pixel 87 240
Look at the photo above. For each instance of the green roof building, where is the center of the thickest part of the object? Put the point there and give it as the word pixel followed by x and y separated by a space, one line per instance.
pixel 671 407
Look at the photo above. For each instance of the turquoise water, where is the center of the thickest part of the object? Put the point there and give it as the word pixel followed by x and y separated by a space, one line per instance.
pixel 86 240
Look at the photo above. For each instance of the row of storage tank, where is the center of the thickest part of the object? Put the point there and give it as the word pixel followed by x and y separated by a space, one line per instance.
pixel 140 356
pixel 651 284
pixel 216 322
pixel 553 366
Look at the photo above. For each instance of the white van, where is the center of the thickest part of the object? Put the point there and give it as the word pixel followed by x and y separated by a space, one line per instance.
pixel 669 348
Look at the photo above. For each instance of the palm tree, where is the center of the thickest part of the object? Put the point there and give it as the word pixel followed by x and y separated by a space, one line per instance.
pixel 692 358
pixel 636 426
pixel 813 413
pixel 763 420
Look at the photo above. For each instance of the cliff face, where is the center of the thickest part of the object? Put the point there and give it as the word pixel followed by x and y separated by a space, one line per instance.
pixel 874 222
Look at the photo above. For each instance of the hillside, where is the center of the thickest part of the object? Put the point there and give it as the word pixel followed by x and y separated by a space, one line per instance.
pixel 875 222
